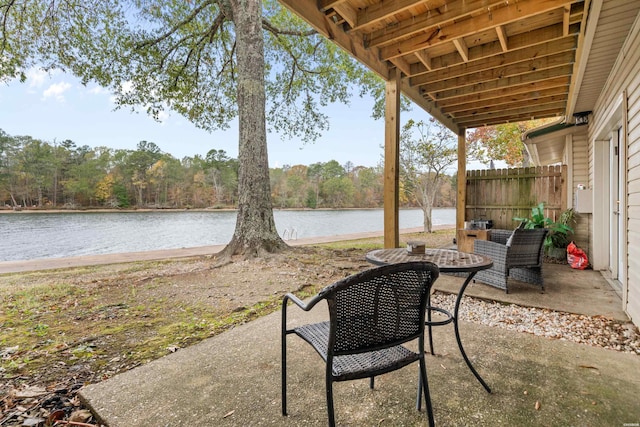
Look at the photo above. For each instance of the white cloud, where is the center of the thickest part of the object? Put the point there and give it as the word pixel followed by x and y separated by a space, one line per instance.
pixel 57 91
pixel 36 77
pixel 163 116
pixel 98 90
pixel 127 87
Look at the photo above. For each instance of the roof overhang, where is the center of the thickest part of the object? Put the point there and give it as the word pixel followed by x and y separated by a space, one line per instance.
pixel 607 26
pixel 546 144
pixel 469 63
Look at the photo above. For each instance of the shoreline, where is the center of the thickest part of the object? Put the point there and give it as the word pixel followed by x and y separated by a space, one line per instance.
pixel 133 210
pixel 7 267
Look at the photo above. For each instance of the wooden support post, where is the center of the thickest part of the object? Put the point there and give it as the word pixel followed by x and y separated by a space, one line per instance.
pixel 392 161
pixel 461 202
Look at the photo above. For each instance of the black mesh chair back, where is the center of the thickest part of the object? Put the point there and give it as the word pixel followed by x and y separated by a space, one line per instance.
pixel 371 314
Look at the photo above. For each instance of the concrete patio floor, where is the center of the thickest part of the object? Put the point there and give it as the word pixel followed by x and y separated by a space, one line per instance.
pixel 234 379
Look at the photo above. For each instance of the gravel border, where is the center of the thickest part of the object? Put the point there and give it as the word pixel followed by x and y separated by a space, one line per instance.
pixel 598 331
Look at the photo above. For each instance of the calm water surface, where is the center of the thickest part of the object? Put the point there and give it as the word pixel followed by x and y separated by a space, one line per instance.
pixel 52 235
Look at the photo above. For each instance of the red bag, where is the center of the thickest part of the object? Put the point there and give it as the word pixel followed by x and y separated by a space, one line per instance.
pixel 576 257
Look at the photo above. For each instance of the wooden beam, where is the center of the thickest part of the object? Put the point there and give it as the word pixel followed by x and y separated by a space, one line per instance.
pixel 502 60
pixel 382 10
pixel 392 161
pixel 503 93
pixel 462 49
pixel 566 19
pixel 428 105
pixel 502 36
pixel 536 76
pixel 347 13
pixel 425 59
pixel 350 43
pixel 530 109
pixel 488 50
pixel 539 102
pixel 324 5
pixel 455 10
pixel 401 64
pixel 508 99
pixel 502 73
pixel 436 35
pixel 511 118
pixel 461 201
pixel 585 41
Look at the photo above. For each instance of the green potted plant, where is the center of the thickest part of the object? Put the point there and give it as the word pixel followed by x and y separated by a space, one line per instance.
pixel 558 237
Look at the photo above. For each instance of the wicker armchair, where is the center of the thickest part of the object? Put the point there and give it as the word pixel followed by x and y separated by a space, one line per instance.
pixel 516 255
pixel 371 314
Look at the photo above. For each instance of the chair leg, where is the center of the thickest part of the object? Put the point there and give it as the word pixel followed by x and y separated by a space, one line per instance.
pixel 427 397
pixel 330 413
pixel 429 323
pixel 371 382
pixel 283 358
pixel 284 377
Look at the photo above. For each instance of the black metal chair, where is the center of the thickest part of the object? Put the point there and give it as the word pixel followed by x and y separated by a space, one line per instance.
pixel 516 254
pixel 371 314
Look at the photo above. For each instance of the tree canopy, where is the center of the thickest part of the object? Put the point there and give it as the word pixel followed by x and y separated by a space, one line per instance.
pixel 38 174
pixel 424 160
pixel 501 142
pixel 210 60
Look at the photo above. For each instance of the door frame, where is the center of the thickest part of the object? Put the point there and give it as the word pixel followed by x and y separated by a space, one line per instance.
pixel 614 120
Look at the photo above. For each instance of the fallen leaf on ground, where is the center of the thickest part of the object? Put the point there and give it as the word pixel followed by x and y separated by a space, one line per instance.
pixel 588 367
pixel 537 405
pixel 81 416
pixel 33 422
pixel 30 391
pixel 228 414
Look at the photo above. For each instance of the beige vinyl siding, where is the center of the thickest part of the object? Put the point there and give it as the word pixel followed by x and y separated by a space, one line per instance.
pixel 580 175
pixel 625 78
pixel 633 196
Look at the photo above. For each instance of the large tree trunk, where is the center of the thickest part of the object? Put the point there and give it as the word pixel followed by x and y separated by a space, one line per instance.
pixel 255 232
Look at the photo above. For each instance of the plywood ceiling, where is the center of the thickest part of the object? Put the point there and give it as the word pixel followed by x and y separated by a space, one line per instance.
pixel 469 63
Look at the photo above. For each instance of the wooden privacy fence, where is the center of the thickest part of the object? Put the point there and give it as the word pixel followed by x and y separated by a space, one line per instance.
pixel 503 194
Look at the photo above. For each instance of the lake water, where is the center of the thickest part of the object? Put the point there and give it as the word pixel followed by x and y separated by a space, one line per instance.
pixel 53 235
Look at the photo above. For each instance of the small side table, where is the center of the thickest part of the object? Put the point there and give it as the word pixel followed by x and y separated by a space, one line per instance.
pixel 448 261
pixel 466 238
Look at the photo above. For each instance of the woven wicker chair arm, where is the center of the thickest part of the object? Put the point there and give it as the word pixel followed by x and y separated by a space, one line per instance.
pixel 493 250
pixel 297 301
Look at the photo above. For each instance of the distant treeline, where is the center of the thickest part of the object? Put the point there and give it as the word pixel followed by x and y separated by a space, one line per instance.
pixel 35 173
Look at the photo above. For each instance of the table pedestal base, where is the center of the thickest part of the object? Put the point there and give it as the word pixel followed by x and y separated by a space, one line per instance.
pixel 450 318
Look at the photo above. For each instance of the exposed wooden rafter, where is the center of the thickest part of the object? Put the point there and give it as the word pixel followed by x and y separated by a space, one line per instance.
pixel 467 62
pixel 502 36
pixel 433 36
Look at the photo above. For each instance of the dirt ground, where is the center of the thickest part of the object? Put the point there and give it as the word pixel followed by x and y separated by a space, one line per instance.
pixel 62 329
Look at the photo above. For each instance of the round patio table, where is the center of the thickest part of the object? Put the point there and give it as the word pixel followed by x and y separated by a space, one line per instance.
pixel 448 261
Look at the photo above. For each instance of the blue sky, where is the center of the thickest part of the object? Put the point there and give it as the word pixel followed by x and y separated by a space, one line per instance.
pixel 55 107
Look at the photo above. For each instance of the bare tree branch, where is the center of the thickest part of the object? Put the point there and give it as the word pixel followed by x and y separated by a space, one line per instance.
pixel 178 25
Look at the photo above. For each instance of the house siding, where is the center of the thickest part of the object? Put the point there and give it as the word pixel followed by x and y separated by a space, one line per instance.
pixel 580 175
pixel 625 80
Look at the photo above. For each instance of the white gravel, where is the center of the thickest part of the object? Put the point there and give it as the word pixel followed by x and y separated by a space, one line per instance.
pixel 597 331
